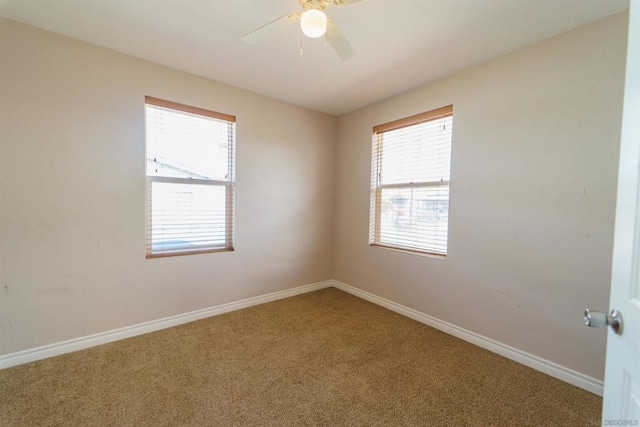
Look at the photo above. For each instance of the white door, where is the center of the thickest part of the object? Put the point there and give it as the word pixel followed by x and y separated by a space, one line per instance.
pixel 622 375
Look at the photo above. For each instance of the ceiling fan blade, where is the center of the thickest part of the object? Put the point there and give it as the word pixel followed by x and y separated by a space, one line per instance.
pixel 272 27
pixel 339 42
pixel 345 2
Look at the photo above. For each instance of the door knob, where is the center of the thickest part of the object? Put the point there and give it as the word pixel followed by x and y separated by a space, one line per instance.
pixel 599 320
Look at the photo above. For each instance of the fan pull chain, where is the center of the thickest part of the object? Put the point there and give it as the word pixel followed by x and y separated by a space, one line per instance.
pixel 301 51
pixel 326 38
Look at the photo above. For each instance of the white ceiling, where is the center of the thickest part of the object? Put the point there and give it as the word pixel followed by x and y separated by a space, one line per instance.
pixel 401 44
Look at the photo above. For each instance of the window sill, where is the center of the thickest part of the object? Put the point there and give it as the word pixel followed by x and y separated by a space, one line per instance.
pixel 441 257
pixel 203 251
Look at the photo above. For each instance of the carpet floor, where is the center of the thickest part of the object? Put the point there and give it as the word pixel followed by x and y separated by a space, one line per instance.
pixel 322 358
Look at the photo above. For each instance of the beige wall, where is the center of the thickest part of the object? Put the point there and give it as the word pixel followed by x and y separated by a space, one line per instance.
pixel 72 175
pixel 535 146
pixel 533 188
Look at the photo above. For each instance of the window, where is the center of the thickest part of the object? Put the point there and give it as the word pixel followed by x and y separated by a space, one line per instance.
pixel 190 179
pixel 411 163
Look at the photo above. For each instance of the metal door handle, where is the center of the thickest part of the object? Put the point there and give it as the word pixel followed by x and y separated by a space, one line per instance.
pixel 599 320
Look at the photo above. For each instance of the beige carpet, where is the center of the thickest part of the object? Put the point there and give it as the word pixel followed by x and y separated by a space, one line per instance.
pixel 324 358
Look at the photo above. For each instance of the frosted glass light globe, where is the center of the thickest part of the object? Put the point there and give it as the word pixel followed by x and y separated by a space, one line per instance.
pixel 313 23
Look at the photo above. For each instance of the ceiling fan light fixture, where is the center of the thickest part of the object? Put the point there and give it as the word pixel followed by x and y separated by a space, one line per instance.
pixel 313 23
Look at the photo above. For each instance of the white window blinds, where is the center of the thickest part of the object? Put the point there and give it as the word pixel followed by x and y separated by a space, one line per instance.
pixel 411 164
pixel 190 179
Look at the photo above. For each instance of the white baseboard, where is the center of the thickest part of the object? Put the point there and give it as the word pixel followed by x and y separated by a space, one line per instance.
pixel 553 369
pixel 39 353
pixel 565 374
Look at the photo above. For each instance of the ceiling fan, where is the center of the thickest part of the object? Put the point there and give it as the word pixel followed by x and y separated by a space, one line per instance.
pixel 313 23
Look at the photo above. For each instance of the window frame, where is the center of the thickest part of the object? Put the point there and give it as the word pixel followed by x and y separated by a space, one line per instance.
pixel 229 185
pixel 377 186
